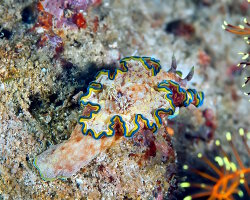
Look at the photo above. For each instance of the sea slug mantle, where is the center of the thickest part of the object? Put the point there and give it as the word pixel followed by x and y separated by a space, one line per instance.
pixel 136 97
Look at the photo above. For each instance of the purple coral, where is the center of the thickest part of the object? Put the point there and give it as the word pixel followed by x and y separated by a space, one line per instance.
pixel 59 8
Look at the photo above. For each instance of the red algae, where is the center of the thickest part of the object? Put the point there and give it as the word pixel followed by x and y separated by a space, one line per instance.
pixel 96 24
pixel 79 20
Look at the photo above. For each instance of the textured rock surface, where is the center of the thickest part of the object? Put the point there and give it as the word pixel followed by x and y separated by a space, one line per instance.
pixel 39 92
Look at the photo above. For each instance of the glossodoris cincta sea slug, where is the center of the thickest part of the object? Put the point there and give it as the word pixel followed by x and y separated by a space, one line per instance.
pixel 136 97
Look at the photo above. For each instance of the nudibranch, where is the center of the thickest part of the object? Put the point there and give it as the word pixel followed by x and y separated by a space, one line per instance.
pixel 137 96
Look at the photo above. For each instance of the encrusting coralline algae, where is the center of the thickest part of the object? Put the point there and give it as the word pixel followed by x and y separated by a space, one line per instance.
pixel 133 99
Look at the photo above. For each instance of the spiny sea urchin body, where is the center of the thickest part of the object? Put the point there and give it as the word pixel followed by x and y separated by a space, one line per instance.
pixel 228 178
pixel 242 31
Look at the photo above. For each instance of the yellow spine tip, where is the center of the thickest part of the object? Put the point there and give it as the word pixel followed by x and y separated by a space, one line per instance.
pixel 233 167
pixel 219 160
pixel 217 142
pixel 242 181
pixel 227 163
pixel 248 135
pixel 245 20
pixel 185 167
pixel 185 184
pixel 188 198
pixel 241 194
pixel 245 57
pixel 199 155
pixel 228 136
pixel 241 26
pixel 223 27
pixel 225 23
pixel 241 132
